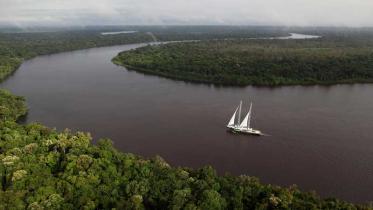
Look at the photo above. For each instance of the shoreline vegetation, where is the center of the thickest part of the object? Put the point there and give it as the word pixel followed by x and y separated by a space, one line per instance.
pixel 11 107
pixel 41 168
pixel 262 62
pixel 201 81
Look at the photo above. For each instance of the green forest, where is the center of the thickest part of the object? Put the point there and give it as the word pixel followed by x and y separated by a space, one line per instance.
pixel 42 168
pixel 342 58
pixel 11 107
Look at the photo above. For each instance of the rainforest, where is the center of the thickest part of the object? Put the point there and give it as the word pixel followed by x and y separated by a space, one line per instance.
pixel 48 168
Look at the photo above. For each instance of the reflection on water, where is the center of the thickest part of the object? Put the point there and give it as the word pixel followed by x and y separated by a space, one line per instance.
pixel 321 136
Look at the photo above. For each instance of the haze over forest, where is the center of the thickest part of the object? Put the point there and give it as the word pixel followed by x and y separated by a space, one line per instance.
pixel 22 13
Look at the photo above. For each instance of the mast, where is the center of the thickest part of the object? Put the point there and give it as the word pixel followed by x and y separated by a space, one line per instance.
pixel 239 113
pixel 249 119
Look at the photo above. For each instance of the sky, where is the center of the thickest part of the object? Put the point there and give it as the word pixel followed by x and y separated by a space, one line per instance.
pixel 352 13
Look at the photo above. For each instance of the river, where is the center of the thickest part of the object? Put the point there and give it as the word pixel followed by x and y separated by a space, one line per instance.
pixel 320 136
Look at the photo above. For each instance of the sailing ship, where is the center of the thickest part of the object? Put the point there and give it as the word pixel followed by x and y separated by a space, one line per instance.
pixel 238 126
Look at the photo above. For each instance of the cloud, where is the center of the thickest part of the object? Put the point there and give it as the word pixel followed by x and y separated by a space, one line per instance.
pixel 148 12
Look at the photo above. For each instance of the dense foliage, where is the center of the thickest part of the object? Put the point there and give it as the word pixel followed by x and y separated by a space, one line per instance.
pixel 11 107
pixel 332 59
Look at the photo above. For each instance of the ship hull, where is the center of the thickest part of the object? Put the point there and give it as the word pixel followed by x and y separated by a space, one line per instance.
pixel 248 131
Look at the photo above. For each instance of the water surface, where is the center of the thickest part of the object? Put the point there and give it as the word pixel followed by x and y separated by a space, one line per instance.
pixel 118 32
pixel 321 136
pixel 292 36
pixel 298 36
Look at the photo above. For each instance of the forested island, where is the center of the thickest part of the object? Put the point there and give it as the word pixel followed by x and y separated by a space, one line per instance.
pixel 346 58
pixel 41 168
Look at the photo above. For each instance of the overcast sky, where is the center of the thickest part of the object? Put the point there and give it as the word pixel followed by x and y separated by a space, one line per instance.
pixel 147 12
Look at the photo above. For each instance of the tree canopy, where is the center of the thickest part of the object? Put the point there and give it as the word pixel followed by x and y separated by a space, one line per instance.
pixel 11 107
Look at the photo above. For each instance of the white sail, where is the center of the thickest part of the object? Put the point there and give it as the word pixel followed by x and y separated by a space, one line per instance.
pixel 246 121
pixel 231 122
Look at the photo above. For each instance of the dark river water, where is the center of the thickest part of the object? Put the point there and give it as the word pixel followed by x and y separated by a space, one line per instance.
pixel 321 138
